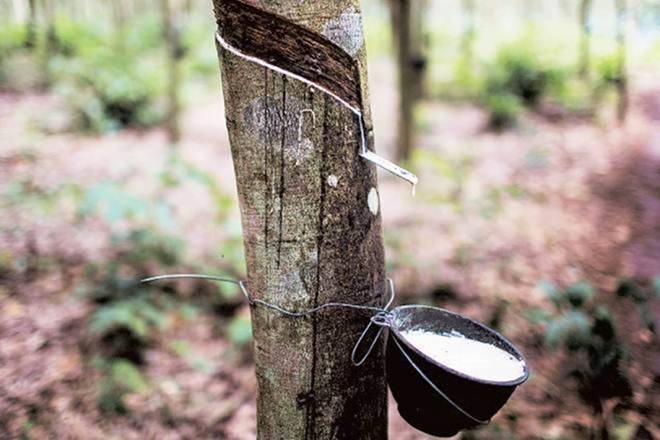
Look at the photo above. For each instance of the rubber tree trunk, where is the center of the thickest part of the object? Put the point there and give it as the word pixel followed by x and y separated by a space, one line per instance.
pixel 174 51
pixel 622 77
pixel 50 9
pixel 31 25
pixel 311 219
pixel 585 38
pixel 408 30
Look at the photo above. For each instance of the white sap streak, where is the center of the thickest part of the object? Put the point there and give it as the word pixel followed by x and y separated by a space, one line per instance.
pixel 225 45
pixel 373 202
pixel 364 153
pixel 472 358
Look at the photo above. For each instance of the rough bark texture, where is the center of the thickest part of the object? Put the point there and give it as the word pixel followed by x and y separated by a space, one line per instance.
pixel 310 235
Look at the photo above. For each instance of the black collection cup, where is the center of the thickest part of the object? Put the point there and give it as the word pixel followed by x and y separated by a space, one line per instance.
pixel 452 401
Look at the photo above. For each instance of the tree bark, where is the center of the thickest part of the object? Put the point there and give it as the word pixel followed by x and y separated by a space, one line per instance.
pixel 174 54
pixel 31 25
pixel 311 226
pixel 585 38
pixel 50 12
pixel 409 36
pixel 622 77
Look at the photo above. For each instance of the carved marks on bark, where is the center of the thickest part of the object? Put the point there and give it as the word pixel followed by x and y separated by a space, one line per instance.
pixel 310 235
pixel 327 61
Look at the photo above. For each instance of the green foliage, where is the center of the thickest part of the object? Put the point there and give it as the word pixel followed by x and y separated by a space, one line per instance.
pixel 608 77
pixel 127 313
pixel 119 379
pixel 13 37
pixel 128 316
pixel 608 70
pixel 503 110
pixel 199 61
pixel 110 89
pixel 240 330
pixel 20 67
pixel 641 297
pixel 587 330
pixel 518 78
pixel 110 78
pixel 116 205
pixel 578 294
pixel 114 78
pixel 466 82
pixel 71 37
pixel 575 96
pixel 517 71
pixel 571 328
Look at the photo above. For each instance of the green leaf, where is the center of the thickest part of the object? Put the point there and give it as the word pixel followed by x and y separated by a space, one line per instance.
pixel 188 311
pixel 536 315
pixel 117 315
pixel 579 293
pixel 126 374
pixel 240 330
pixel 227 290
pixel 572 327
pixel 550 291
pixel 656 286
pixel 181 348
pixel 150 313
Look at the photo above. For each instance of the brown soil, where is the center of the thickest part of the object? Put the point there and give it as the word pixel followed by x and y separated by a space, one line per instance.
pixel 577 200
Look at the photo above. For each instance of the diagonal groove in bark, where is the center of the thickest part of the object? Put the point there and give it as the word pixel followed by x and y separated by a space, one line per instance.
pixel 292 47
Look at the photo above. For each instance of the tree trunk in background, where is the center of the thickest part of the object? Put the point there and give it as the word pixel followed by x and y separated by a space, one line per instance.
pixel 467 38
pixel 419 41
pixel 31 25
pixel 174 54
pixel 119 19
pixel 51 36
pixel 409 36
pixel 585 38
pixel 312 230
pixel 622 77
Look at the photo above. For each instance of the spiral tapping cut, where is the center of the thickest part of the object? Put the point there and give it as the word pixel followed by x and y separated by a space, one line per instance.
pixel 248 33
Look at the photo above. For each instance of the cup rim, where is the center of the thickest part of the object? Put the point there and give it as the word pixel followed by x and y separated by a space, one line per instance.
pixel 514 382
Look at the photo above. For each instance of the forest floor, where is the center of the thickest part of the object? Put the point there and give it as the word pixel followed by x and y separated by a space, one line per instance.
pixel 494 215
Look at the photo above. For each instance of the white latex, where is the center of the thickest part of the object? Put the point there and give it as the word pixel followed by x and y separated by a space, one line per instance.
pixel 470 357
